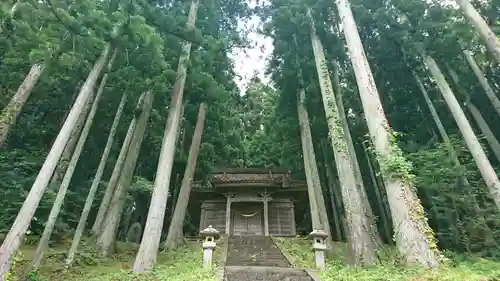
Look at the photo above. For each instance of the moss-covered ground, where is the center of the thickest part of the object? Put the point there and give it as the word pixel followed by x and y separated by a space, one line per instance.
pixel 459 268
pixel 183 264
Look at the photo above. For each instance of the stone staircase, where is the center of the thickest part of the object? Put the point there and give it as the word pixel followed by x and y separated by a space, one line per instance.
pixel 257 258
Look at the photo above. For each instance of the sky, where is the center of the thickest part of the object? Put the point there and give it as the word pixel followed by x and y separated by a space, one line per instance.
pixel 254 59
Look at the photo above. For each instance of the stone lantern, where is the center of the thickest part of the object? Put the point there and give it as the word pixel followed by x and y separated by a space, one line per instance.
pixel 319 247
pixel 209 234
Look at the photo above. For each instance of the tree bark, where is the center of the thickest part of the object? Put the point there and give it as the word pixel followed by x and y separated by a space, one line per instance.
pixel 477 116
pixel 331 193
pixel 61 194
pixel 451 150
pixel 355 164
pixel 13 239
pixel 112 220
pixel 490 38
pixel 483 81
pixel 95 183
pixel 12 110
pixel 381 199
pixel 311 190
pixel 482 162
pixel 485 129
pixel 358 222
pixel 175 186
pixel 413 236
pixel 314 174
pixel 337 196
pixel 452 215
pixel 146 256
pixel 115 175
pixel 175 229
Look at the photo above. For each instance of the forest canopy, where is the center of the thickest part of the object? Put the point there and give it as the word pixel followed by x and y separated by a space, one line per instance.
pixel 112 109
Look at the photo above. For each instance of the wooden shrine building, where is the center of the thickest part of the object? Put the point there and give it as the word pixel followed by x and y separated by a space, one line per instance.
pixel 250 202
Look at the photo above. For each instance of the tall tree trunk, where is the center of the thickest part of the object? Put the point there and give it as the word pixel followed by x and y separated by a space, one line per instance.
pixel 112 220
pixel 490 38
pixel 485 129
pixel 335 187
pixel 451 150
pixel 313 200
pixel 312 171
pixel 115 175
pixel 331 194
pixel 318 190
pixel 378 187
pixel 482 162
pixel 70 146
pixel 73 99
pixel 476 114
pixel 414 238
pixel 483 81
pixel 146 256
pixel 453 216
pixel 175 229
pixel 437 120
pixel 175 186
pixel 61 194
pixel 358 222
pixel 12 110
pixel 95 183
pixel 453 157
pixel 63 163
pixel 355 164
pixel 13 239
pixel 181 135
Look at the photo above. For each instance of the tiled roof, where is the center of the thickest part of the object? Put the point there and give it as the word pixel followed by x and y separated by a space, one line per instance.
pixel 279 177
pixel 249 180
pixel 249 171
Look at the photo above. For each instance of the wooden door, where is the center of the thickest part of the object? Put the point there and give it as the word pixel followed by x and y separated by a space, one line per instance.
pixel 247 219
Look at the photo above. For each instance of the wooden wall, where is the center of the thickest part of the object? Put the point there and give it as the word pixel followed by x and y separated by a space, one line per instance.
pixel 281 218
pixel 213 213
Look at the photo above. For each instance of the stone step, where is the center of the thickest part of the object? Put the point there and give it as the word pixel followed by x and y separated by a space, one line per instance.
pixel 255 273
pixel 254 251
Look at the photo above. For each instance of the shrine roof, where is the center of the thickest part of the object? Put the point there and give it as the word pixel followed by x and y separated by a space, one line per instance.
pixel 249 171
pixel 250 177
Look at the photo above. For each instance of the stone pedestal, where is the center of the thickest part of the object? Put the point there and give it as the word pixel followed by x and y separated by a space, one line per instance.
pixel 209 234
pixel 319 247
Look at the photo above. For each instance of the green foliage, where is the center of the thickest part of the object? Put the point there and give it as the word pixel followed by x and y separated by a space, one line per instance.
pixel 461 268
pixel 257 129
pixel 68 37
pixel 183 264
pixel 395 164
pixel 270 137
pixel 463 221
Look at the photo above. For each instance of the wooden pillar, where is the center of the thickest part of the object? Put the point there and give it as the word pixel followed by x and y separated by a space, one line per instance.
pixel 202 217
pixel 266 215
pixel 228 214
pixel 292 216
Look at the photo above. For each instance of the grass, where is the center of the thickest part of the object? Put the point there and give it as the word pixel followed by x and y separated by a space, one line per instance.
pixel 183 264
pixel 459 268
